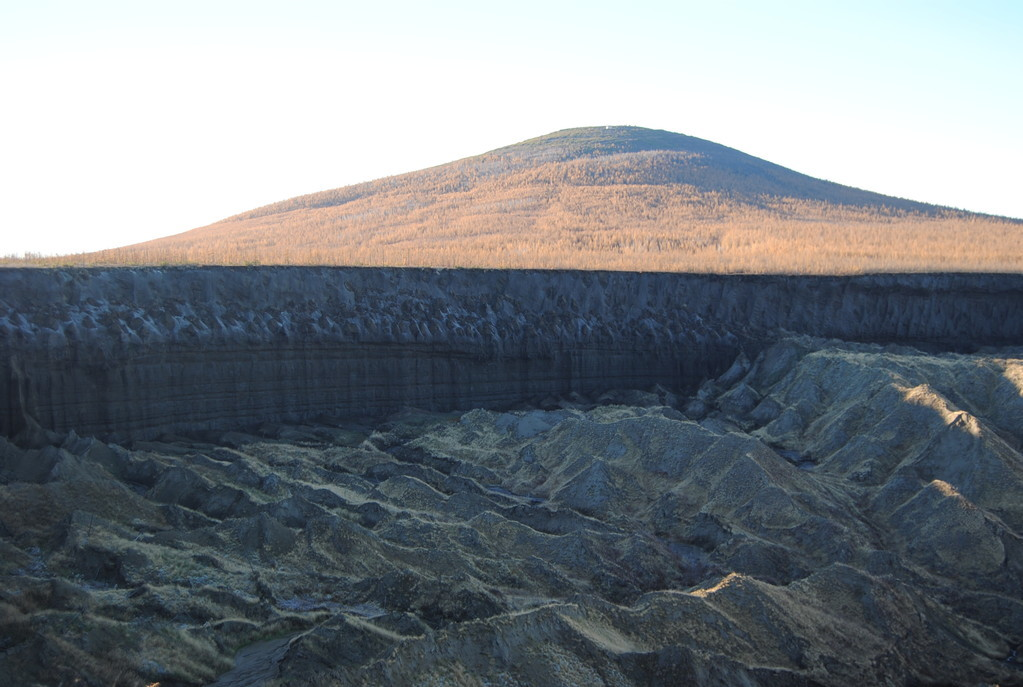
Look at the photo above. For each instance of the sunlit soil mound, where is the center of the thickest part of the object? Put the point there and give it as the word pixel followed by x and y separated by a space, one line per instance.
pixel 827 514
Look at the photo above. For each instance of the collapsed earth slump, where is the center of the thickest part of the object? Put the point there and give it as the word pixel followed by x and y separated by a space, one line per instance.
pixel 134 353
pixel 818 512
pixel 828 514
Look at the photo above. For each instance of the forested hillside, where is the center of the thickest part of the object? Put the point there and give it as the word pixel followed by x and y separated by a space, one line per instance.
pixel 616 198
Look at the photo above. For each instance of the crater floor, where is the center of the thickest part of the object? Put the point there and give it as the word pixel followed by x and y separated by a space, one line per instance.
pixel 828 513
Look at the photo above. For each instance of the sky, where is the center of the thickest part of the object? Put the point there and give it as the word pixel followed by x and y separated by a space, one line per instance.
pixel 125 121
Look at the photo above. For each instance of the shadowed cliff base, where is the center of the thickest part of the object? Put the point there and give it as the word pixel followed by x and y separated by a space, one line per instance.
pixel 134 353
pixel 824 514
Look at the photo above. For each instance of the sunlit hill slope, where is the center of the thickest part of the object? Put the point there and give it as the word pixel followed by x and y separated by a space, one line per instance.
pixel 618 198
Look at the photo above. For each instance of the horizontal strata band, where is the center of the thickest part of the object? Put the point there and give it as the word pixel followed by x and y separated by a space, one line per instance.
pixel 142 351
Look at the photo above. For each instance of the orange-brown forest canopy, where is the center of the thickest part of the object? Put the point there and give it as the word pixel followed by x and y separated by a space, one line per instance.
pixel 613 198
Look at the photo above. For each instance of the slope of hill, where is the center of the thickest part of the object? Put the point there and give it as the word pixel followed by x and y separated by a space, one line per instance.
pixel 620 198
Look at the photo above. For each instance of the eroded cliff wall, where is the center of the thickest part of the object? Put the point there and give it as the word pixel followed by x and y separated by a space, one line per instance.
pixel 137 352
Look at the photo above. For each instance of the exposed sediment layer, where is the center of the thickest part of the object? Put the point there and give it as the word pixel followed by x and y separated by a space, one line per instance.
pixel 141 351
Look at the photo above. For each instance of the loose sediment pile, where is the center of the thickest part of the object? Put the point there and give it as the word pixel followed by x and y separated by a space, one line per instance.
pixel 198 485
pixel 825 514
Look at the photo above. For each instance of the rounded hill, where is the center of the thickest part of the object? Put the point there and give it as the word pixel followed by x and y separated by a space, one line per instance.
pixel 613 197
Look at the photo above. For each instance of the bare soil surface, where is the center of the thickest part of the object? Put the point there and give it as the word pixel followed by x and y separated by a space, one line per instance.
pixel 826 514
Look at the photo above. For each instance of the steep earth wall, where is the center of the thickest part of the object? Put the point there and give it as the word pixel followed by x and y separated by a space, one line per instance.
pixel 137 352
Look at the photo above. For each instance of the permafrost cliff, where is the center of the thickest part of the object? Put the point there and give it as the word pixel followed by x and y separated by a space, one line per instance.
pixel 138 352
pixel 785 509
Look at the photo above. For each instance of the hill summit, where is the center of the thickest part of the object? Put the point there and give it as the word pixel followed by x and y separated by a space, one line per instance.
pixel 613 197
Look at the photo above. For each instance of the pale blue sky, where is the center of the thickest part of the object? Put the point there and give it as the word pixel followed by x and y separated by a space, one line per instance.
pixel 123 121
